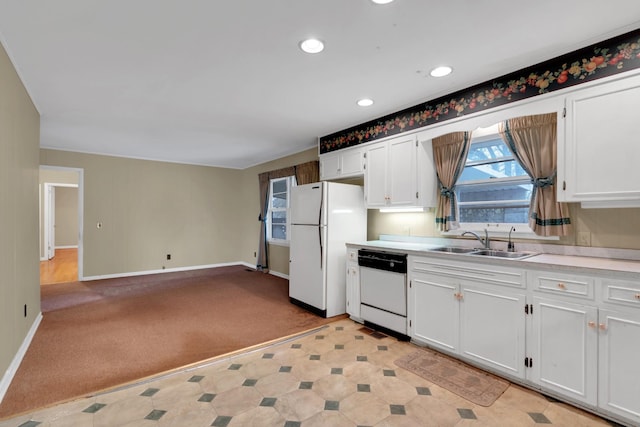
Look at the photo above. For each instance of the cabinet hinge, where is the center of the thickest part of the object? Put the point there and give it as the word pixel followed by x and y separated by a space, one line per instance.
pixel 416 194
pixel 564 112
pixel 409 283
pixel 409 323
pixel 416 143
pixel 564 185
pixel 364 155
pixel 528 362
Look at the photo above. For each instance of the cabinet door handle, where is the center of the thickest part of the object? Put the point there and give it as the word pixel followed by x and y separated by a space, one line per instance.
pixel 602 327
pixel 458 295
pixel 562 286
pixel 637 296
pixel 592 324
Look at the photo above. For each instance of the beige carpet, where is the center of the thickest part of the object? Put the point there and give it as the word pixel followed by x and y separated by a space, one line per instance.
pixel 101 334
pixel 466 381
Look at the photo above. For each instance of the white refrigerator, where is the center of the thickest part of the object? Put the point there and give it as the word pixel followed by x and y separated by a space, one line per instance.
pixel 324 217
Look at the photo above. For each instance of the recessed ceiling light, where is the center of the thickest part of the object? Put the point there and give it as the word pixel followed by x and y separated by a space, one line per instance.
pixel 441 71
pixel 312 46
pixel 365 102
pixel 381 1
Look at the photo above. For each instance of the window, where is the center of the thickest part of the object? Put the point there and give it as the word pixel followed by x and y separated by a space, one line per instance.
pixel 493 189
pixel 278 216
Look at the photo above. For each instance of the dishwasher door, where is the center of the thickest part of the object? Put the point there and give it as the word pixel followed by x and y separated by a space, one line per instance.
pixel 385 290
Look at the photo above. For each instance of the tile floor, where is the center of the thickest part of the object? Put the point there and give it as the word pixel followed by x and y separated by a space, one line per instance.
pixel 339 375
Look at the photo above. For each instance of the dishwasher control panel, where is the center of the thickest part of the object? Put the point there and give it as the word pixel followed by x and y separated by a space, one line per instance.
pixel 382 260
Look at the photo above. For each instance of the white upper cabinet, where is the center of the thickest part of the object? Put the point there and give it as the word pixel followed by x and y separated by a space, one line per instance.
pixel 340 164
pixel 399 173
pixel 598 164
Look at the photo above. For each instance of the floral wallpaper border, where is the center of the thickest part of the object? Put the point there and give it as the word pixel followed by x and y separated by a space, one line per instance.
pixel 603 59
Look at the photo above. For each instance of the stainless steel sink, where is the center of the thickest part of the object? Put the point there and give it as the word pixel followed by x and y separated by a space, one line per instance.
pixel 454 250
pixel 502 254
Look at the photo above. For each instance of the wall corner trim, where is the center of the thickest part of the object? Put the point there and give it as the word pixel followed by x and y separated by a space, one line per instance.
pixel 17 359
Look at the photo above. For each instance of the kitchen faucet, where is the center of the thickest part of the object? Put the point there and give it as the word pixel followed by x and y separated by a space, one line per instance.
pixel 510 246
pixel 484 241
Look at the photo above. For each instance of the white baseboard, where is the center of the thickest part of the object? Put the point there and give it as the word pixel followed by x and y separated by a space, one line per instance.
pixel 278 274
pixel 17 359
pixel 166 270
pixel 67 247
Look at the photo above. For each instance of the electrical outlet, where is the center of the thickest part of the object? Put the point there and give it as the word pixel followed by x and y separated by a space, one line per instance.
pixel 584 238
pixel 25 310
pixel 255 254
pixel 168 256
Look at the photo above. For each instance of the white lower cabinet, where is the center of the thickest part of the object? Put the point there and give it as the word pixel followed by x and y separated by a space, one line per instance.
pixel 571 335
pixel 470 310
pixel 492 328
pixel 353 283
pixel 434 310
pixel 353 290
pixel 619 363
pixel 564 348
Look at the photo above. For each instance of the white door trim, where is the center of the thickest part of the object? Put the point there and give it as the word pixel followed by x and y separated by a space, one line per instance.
pixel 80 186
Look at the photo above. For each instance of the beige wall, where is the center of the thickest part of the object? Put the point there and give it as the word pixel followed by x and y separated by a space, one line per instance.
pixel 66 216
pixel 150 209
pixel 248 239
pixel 609 228
pixel 19 277
pixel 200 215
pixel 58 176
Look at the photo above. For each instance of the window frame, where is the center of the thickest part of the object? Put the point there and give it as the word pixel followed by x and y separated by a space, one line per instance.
pixel 290 182
pixel 497 229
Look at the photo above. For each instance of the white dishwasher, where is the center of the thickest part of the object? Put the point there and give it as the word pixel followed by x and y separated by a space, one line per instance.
pixel 383 290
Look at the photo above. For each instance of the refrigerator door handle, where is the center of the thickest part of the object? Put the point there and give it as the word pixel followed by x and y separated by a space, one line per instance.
pixel 320 241
pixel 320 210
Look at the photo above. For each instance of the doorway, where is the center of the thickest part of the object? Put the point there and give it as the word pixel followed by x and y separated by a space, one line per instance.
pixel 61 219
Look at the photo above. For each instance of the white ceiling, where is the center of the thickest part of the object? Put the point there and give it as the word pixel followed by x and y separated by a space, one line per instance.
pixel 223 83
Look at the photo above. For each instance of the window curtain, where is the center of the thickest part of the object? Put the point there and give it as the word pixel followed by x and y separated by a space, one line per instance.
pixel 533 141
pixel 305 173
pixel 282 173
pixel 309 172
pixel 262 263
pixel 450 154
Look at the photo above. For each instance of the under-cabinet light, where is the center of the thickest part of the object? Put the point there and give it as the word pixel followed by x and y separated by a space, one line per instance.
pixel 399 210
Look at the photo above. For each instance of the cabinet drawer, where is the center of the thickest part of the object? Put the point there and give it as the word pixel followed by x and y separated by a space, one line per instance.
pixel 559 284
pixel 485 273
pixel 620 292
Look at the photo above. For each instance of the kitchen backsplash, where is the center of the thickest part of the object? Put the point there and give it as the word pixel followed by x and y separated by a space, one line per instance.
pixel 606 228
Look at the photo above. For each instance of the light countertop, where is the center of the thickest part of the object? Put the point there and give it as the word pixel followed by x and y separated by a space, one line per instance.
pixel 590 262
